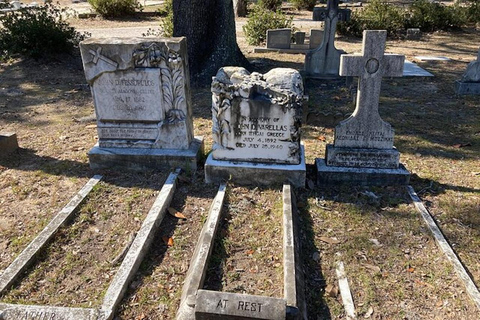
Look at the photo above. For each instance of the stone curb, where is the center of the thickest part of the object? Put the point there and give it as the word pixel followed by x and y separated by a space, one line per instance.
pixel 30 252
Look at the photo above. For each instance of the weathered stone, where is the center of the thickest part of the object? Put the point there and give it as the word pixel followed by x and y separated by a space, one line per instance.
pixel 8 143
pixel 364 142
pixel 316 38
pixel 299 37
pixel 279 38
pixel 321 14
pixel 411 69
pixel 141 94
pixel 324 60
pixel 414 34
pixel 32 312
pixel 257 117
pixel 470 82
pixel 212 305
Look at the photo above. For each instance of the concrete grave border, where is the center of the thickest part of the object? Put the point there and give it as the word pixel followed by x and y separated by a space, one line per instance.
pixel 123 276
pixel 194 300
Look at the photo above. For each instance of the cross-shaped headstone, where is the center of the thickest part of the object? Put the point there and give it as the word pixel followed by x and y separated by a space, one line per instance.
pixel 365 128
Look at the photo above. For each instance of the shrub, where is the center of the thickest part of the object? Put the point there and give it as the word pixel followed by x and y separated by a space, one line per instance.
pixel 304 4
pixel 37 32
pixel 167 20
pixel 431 16
pixel 115 8
pixel 260 20
pixel 272 5
pixel 472 12
pixel 378 15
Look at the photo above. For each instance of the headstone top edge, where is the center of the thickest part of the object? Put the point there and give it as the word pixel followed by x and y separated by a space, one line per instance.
pixel 131 40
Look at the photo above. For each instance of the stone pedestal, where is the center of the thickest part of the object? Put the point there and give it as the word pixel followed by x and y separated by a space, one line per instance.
pixel 8 142
pixel 470 82
pixel 141 93
pixel 256 127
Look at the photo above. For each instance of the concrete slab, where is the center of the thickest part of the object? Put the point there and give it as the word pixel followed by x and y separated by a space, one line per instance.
pixel 360 176
pixel 139 247
pixel 223 305
pixel 432 58
pixel 248 173
pixel 28 255
pixel 411 69
pixel 144 159
pixel 8 143
pixel 34 312
pixel 467 88
pixel 198 265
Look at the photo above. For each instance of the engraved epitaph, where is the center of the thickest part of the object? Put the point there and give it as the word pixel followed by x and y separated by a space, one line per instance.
pixel 365 128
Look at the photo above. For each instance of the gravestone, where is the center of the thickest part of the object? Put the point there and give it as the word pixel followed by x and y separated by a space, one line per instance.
pixel 414 34
pixel 279 38
pixel 141 94
pixel 299 37
pixel 324 61
pixel 470 82
pixel 363 151
pixel 256 127
pixel 316 38
pixel 321 14
pixel 8 143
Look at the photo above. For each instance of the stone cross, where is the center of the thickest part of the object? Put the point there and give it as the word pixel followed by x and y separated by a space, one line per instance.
pixel 365 128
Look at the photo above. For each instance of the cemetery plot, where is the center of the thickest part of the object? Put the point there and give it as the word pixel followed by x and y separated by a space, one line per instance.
pixel 83 258
pixel 390 256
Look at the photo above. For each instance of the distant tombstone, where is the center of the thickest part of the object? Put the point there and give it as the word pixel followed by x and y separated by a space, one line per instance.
pixel 299 37
pixel 141 94
pixel 414 34
pixel 324 61
pixel 8 142
pixel 363 151
pixel 279 38
pixel 256 127
pixel 470 82
pixel 316 38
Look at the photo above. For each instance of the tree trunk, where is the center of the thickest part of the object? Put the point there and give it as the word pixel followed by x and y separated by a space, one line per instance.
pixel 209 26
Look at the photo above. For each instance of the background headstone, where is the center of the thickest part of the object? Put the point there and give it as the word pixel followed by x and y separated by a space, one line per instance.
pixel 316 38
pixel 8 142
pixel 279 38
pixel 470 82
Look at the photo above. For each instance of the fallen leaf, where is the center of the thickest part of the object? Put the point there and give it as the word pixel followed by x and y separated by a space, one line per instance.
pixel 249 252
pixel 141 317
pixel 91 126
pixel 330 240
pixel 372 267
pixel 411 269
pixel 329 130
pixel 331 290
pixel 369 313
pixel 175 213
pixel 461 145
pixel 322 138
pixel 168 241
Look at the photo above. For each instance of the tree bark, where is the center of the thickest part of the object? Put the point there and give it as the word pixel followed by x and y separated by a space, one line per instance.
pixel 209 26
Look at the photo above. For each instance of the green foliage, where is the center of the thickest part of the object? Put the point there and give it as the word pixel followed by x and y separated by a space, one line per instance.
pixel 472 12
pixel 304 4
pixel 115 8
pixel 260 20
pixel 378 15
pixel 431 16
pixel 167 20
pixel 272 5
pixel 37 32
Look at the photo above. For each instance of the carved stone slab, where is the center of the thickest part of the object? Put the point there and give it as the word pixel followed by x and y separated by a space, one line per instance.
pixel 140 89
pixel 32 312
pixel 213 304
pixel 257 117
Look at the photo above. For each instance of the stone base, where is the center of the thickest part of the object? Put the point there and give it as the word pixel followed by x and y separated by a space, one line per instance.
pixel 362 157
pixel 361 176
pixel 471 88
pixel 8 143
pixel 247 173
pixel 146 159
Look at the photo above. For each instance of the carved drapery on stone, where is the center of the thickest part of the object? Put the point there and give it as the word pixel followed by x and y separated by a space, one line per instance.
pixel 248 102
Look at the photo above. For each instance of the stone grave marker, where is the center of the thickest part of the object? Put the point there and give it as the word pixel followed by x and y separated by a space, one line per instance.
pixel 363 151
pixel 256 127
pixel 316 37
pixel 324 60
pixel 321 14
pixel 8 143
pixel 470 82
pixel 299 37
pixel 414 34
pixel 141 94
pixel 279 38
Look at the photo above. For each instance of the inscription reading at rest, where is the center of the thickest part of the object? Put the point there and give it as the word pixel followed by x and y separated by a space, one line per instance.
pixel 242 305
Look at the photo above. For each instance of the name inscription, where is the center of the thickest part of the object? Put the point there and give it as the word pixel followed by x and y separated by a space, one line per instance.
pixel 378 136
pixel 129 95
pixel 261 133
